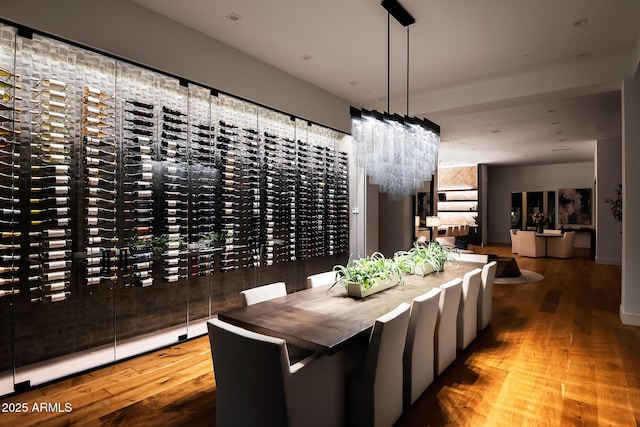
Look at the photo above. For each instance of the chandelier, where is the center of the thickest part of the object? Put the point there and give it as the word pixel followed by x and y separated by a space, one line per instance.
pixel 397 153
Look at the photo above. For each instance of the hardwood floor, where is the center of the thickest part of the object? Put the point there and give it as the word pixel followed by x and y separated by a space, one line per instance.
pixel 554 354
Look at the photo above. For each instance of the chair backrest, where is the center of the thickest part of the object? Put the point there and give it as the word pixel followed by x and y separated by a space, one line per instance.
pixel 321 279
pixel 550 231
pixel 263 293
pixel 445 340
pixel 485 299
pixel 419 349
pixel 249 370
pixel 467 323
pixel 383 365
pixel 480 258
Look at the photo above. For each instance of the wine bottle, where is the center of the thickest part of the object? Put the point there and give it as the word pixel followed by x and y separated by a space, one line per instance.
pixel 55 179
pixel 54 286
pixel 53 158
pixel 56 244
pixel 140 122
pixel 96 102
pixel 92 91
pixel 53 105
pixel 95 122
pixel 52 126
pixel 56 189
pixel 98 191
pixel 97 141
pixel 95 231
pixel 54 297
pixel 90 151
pixel 94 132
pixel 52 83
pixel 97 240
pixel 56 169
pixel 141 104
pixel 92 211
pixel 50 233
pixel 5 293
pixel 140 113
pixel 139 158
pixel 98 172
pixel 136 131
pixel 95 112
pixel 146 176
pixel 52 94
pixel 96 161
pixel 58 222
pixel 139 139
pixel 57 265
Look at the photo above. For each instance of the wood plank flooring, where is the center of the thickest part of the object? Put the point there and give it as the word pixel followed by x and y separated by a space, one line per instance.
pixel 554 354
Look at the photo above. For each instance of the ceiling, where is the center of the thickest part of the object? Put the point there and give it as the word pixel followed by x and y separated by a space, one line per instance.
pixel 509 82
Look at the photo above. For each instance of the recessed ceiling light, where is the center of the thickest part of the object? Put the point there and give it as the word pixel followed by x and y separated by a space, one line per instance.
pixel 559 132
pixel 560 149
pixel 306 57
pixel 496 131
pixel 234 17
pixel 353 83
pixel 583 55
pixel 561 140
pixel 555 123
pixel 580 22
pixel 551 111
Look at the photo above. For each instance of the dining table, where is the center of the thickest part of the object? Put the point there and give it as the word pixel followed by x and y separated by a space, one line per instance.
pixel 325 319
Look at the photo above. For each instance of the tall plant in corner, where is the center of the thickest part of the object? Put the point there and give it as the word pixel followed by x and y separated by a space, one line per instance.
pixel 615 204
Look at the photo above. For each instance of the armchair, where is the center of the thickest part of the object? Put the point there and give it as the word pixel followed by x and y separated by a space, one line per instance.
pixel 530 245
pixel 561 247
pixel 514 240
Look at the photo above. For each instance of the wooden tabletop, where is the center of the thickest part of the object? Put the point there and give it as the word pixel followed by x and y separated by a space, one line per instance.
pixel 323 320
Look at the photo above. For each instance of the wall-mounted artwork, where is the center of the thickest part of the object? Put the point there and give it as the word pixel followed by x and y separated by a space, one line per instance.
pixel 574 206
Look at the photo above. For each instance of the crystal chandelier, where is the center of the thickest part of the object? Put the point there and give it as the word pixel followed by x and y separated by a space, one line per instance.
pixel 397 153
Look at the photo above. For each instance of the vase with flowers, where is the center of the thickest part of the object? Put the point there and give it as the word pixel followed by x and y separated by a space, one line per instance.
pixel 540 220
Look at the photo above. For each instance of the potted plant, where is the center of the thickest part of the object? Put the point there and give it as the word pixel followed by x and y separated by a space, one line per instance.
pixel 424 259
pixel 368 275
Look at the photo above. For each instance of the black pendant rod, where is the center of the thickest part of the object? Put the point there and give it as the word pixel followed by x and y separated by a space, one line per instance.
pixel 388 62
pixel 407 71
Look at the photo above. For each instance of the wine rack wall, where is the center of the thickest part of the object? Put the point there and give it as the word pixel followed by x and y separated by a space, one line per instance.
pixel 133 202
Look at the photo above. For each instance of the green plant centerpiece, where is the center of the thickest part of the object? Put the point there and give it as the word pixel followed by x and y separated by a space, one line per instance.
pixel 213 240
pixel 368 275
pixel 423 259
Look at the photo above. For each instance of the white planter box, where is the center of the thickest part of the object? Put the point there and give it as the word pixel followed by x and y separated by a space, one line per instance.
pixel 423 269
pixel 356 291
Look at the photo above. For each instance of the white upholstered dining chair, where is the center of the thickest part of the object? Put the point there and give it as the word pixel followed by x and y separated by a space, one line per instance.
pixel 256 385
pixel 419 348
pixel 467 324
pixel 374 390
pixel 263 293
pixel 445 336
pixel 485 298
pixel 321 279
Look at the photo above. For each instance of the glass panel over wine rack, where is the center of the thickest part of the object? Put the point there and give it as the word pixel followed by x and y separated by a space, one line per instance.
pixel 136 205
